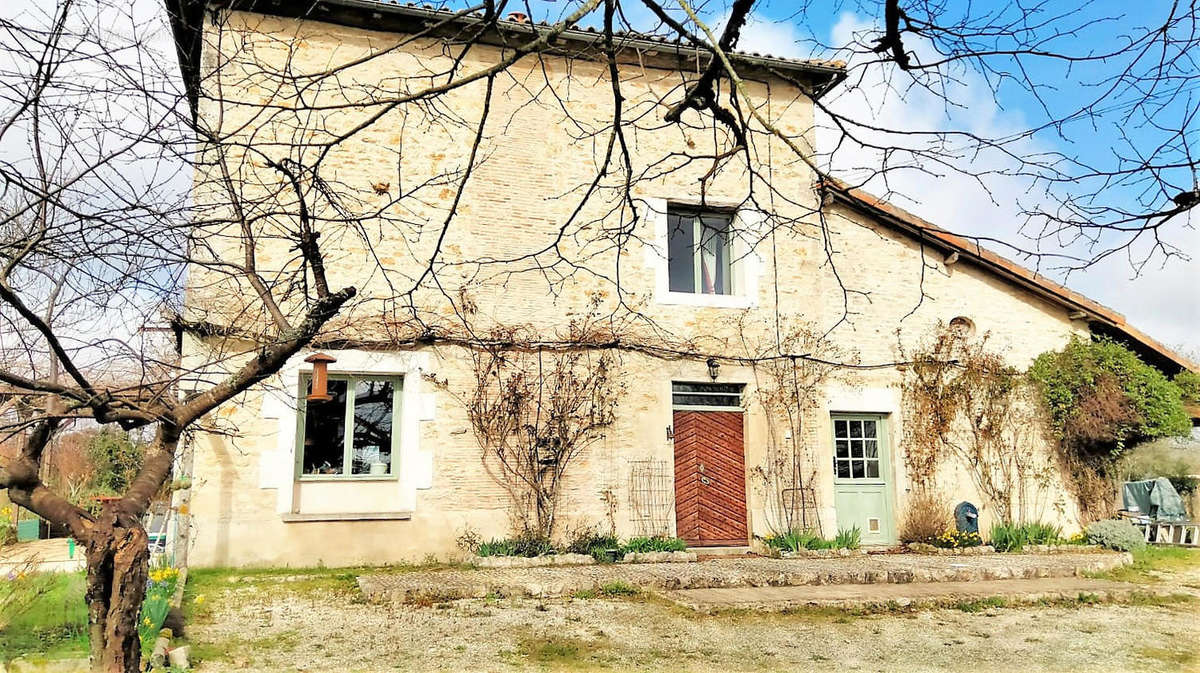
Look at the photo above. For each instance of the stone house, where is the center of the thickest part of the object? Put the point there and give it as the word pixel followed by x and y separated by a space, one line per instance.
pixel 715 277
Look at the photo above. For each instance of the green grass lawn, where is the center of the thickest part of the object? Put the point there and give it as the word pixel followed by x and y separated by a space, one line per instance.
pixel 1151 560
pixel 45 616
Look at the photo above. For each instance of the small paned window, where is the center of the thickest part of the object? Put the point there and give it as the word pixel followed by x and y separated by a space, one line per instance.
pixel 856 448
pixel 699 252
pixel 353 434
pixel 724 395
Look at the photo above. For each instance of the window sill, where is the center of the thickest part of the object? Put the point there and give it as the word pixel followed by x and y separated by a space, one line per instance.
pixel 705 300
pixel 327 478
pixel 297 517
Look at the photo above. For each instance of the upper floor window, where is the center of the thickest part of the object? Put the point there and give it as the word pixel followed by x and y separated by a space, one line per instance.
pixel 699 251
pixel 353 434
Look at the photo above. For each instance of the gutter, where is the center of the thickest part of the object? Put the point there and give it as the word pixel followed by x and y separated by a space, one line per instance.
pixel 187 17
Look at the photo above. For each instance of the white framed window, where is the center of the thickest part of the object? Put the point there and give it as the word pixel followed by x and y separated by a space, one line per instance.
pixel 700 255
pixel 699 251
pixel 352 435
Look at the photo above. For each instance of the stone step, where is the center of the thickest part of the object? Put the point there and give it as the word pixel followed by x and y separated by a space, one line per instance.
pixel 728 572
pixel 1014 592
pixel 720 552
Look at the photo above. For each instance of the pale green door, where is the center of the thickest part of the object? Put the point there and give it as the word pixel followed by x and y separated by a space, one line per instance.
pixel 862 493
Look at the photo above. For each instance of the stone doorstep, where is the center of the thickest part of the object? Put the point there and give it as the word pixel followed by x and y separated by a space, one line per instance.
pixel 720 552
pixel 925 594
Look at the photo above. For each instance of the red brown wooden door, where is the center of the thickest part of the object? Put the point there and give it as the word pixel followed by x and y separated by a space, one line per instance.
pixel 710 478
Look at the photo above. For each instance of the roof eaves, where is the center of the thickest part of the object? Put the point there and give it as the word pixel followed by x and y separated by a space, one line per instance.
pixel 903 220
pixel 187 17
pixel 830 69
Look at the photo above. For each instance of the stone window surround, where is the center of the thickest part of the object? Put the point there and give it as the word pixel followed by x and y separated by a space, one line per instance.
pixel 412 464
pixel 747 265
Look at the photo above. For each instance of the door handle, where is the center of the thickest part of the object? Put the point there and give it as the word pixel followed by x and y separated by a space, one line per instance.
pixel 705 480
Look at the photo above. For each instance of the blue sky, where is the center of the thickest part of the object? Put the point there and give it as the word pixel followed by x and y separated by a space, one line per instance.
pixel 1160 297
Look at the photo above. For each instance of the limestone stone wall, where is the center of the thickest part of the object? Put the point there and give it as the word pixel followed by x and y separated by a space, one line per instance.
pixel 874 291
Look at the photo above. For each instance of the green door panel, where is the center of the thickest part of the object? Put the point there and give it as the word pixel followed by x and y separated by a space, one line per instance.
pixel 867 508
pixel 862 487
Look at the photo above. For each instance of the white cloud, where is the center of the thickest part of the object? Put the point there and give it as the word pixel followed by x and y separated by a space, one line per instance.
pixel 1162 300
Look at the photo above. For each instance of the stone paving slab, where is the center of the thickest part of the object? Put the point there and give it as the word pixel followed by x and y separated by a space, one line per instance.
pixel 910 594
pixel 51 555
pixel 450 584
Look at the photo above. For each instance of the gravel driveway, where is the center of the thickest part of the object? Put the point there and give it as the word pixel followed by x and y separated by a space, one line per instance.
pixel 265 624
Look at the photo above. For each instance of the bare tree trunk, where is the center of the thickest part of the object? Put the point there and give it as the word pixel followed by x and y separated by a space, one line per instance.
pixel 118 559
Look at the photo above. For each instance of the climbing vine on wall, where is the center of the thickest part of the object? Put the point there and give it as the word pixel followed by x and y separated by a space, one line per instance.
pixel 963 402
pixel 788 389
pixel 534 412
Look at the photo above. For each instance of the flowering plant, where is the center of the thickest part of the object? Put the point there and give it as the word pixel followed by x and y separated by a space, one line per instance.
pixel 955 539
pixel 7 532
pixel 164 575
pixel 160 586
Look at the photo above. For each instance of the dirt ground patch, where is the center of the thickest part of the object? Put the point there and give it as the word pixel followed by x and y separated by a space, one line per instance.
pixel 317 624
pixel 289 633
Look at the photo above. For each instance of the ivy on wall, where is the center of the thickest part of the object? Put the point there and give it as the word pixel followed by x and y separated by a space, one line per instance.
pixel 1103 399
pixel 962 402
pixel 1189 386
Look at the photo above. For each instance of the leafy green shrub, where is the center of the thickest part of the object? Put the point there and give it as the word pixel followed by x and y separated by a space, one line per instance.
pixel 584 543
pixel 1014 536
pixel 502 547
pixel 116 458
pixel 848 538
pixel 528 546
pixel 795 541
pixel 618 588
pixel 593 543
pixel 641 545
pixel 1189 386
pixel 807 540
pixel 1115 534
pixel 1102 398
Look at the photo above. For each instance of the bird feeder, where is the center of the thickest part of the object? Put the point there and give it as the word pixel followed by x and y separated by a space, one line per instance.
pixel 320 377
